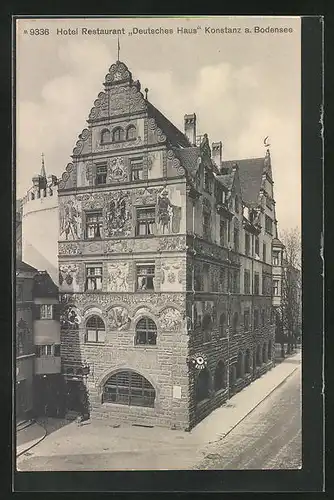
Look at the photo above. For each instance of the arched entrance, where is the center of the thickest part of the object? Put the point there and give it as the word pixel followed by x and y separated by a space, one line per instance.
pixel 128 387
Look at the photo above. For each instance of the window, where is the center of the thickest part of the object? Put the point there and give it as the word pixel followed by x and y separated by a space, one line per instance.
pixel 118 134
pixel 131 132
pixel 207 327
pixel 220 378
pixel 257 246
pixel 145 276
pixel 222 233
pixel 275 258
pixel 234 281
pixel 101 174
pixel 264 353
pixel 263 284
pixel 93 277
pixel 246 282
pixel 206 224
pixel 105 135
pixel 207 183
pixel 146 332
pixel 145 221
pixel 263 317
pixel 235 322
pixel 203 385
pixel 137 170
pixel 275 287
pixel 43 350
pixel 247 244
pixel 56 350
pixel 95 329
pixel 128 388
pixel 236 205
pixel 256 284
pixel 256 318
pixel 222 286
pixel 268 225
pixel 247 361
pixel 264 252
pixel 239 373
pixel 246 320
pixel 94 223
pixel 46 311
pixel 222 325
pixel 236 239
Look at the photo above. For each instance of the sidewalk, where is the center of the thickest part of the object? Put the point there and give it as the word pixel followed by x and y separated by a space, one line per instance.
pixel 157 448
pixel 28 437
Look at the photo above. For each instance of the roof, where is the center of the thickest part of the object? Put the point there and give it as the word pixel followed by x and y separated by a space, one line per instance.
pixel 173 134
pixel 189 158
pixel 22 266
pixel 277 242
pixel 250 175
pixel 44 286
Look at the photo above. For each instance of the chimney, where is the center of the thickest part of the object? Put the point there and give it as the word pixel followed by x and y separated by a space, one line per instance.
pixel 190 128
pixel 217 153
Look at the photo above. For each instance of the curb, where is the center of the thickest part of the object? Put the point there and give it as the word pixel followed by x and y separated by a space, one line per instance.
pixel 35 443
pixel 257 404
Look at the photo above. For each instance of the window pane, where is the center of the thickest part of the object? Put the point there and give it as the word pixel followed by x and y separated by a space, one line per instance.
pixel 101 336
pixel 91 335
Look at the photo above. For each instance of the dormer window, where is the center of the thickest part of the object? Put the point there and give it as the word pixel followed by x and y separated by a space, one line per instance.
pixel 118 134
pixel 105 136
pixel 130 132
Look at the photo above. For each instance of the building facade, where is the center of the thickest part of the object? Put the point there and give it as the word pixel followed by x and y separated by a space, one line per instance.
pixel 164 265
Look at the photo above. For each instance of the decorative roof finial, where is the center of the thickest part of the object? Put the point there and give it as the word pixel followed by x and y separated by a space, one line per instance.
pixel 43 173
pixel 266 142
pixel 146 92
pixel 118 48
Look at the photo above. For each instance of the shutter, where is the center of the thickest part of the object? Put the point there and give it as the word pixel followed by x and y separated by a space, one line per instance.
pixel 36 311
pixel 56 312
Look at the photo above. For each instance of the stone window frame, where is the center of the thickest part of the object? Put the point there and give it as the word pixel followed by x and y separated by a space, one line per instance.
pixel 141 385
pixel 145 264
pixel 118 134
pixel 101 165
pixel 247 327
pixel 143 208
pixel 98 225
pixel 46 311
pixel 97 328
pixel 256 283
pixel 154 330
pixel 95 265
pixel 136 164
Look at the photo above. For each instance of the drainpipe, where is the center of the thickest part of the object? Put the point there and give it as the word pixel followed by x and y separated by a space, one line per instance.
pixel 252 310
pixel 228 322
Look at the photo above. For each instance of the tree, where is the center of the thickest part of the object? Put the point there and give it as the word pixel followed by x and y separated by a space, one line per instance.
pixel 291 287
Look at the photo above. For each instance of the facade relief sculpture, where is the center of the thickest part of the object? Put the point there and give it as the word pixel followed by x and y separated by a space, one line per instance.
pixel 118 275
pixel 118 318
pixel 68 277
pixel 70 219
pixel 69 248
pixel 118 217
pixel 170 319
pixel 175 243
pixel 117 170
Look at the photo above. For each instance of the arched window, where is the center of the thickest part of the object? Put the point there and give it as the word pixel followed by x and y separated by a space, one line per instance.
pixel 207 327
pixel 118 134
pixel 146 332
pixel 131 132
pixel 270 348
pixel 105 135
pixel 264 353
pixel 220 376
pixel 128 388
pixel 222 325
pixel 247 361
pixel 95 329
pixel 235 322
pixel 239 373
pixel 258 356
pixel 203 385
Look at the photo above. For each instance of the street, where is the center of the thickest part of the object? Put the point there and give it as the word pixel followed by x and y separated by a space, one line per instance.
pixel 269 438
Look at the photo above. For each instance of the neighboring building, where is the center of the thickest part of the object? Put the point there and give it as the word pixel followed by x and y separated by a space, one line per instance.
pixel 164 263
pixel 48 380
pixel 40 225
pixel 24 340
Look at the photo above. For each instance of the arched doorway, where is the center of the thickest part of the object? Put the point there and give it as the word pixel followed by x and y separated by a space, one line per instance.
pixel 264 353
pixel 127 387
pixel 220 376
pixel 258 355
pixel 247 361
pixel 203 385
pixel 239 368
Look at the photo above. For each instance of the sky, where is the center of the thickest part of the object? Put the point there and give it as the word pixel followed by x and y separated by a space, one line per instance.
pixel 242 87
